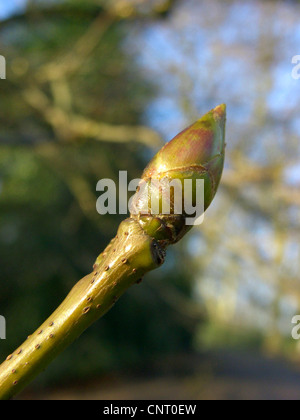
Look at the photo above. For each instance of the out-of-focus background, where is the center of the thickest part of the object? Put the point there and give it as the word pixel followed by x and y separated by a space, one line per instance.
pixel 95 87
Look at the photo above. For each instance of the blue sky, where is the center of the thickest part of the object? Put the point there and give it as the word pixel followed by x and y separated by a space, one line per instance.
pixel 7 8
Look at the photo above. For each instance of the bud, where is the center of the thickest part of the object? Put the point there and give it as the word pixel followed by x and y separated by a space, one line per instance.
pixel 195 153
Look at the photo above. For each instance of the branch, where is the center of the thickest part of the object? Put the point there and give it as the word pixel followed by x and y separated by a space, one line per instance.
pixel 139 246
pixel 69 126
pixel 134 254
pixel 89 11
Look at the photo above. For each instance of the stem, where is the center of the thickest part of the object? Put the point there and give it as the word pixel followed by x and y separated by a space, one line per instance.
pixel 127 258
pixel 195 153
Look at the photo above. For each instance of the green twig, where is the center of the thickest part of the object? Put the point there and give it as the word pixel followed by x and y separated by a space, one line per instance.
pixel 133 254
pixel 139 246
